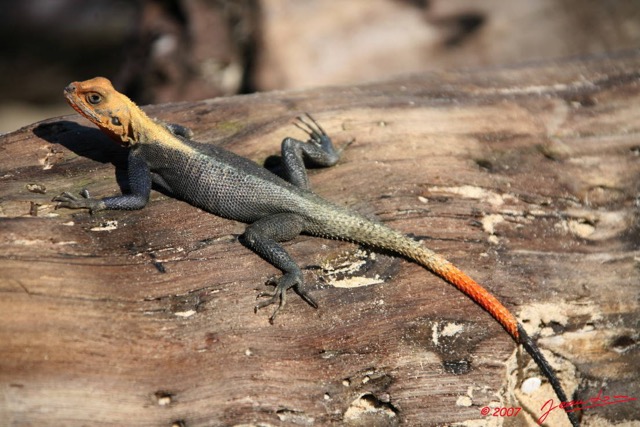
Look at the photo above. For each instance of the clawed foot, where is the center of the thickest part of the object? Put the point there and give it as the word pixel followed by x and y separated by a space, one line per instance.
pixel 317 135
pixel 279 296
pixel 84 201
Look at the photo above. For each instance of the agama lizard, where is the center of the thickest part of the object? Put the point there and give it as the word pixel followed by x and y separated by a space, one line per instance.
pixel 276 209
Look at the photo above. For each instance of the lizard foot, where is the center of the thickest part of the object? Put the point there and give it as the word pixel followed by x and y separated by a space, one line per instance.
pixel 279 296
pixel 317 135
pixel 84 201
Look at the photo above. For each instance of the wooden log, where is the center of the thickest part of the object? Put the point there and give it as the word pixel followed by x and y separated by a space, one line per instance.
pixel 528 178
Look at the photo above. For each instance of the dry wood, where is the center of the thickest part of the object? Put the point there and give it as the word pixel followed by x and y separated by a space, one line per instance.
pixel 527 178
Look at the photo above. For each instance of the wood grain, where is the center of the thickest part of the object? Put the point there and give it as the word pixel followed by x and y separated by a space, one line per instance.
pixel 528 178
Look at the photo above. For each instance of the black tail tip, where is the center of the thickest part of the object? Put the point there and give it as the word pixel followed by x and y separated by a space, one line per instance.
pixel 546 369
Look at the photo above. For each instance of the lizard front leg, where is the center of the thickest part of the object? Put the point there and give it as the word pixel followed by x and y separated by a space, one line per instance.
pixel 262 237
pixel 318 150
pixel 139 184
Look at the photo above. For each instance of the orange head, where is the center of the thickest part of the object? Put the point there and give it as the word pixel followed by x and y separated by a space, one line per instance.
pixel 111 111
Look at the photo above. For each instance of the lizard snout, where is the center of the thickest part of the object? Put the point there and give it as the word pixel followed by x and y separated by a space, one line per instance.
pixel 70 89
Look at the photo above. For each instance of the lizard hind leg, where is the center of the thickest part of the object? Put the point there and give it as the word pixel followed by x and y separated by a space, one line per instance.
pixel 263 237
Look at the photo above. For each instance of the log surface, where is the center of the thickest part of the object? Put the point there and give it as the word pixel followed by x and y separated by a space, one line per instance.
pixel 527 178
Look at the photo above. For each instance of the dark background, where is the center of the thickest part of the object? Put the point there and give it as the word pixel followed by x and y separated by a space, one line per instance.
pixel 174 50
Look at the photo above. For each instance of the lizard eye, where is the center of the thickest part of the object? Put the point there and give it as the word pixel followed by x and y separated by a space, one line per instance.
pixel 94 98
pixel 115 121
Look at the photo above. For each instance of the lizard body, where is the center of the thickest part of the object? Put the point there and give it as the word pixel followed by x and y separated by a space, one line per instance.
pixel 276 209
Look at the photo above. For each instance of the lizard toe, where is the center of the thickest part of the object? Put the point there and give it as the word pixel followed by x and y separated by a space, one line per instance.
pixel 82 201
pixel 66 200
pixel 305 296
pixel 279 295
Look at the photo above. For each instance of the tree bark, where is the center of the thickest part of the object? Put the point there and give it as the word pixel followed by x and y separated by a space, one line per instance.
pixel 527 178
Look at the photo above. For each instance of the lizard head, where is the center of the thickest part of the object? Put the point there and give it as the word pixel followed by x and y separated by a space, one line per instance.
pixel 111 111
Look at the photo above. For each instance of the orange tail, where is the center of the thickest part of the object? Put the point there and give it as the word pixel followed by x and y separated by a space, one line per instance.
pixel 486 300
pixel 470 287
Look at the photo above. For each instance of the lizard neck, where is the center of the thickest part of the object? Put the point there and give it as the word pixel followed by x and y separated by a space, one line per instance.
pixel 147 131
pixel 141 129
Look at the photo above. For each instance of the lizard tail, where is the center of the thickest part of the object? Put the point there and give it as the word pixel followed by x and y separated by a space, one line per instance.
pixel 449 272
pixel 452 274
pixel 375 234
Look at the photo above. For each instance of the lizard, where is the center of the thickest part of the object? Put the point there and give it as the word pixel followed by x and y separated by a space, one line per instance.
pixel 276 209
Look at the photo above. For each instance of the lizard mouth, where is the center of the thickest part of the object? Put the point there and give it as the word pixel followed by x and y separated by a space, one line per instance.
pixel 70 94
